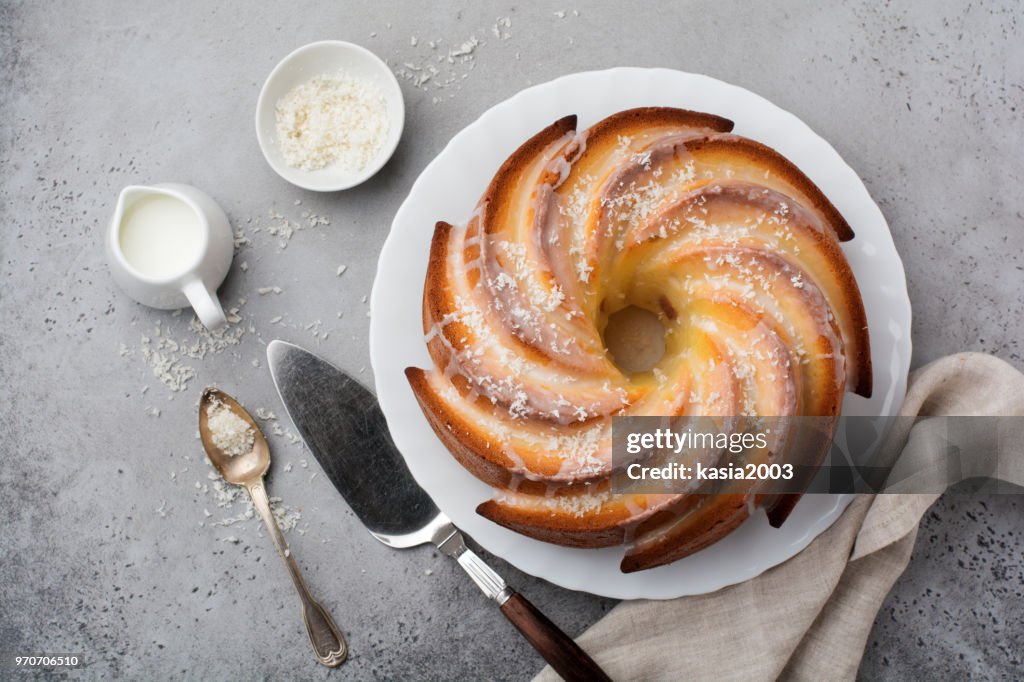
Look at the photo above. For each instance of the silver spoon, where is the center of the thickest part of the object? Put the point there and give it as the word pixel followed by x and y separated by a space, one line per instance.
pixel 247 470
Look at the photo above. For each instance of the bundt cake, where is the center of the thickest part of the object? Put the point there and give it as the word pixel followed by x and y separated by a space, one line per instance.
pixel 660 209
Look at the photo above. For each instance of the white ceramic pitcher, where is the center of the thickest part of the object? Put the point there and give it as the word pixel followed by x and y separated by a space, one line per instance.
pixel 195 282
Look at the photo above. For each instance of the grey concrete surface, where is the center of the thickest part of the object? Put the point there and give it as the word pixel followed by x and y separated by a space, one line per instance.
pixel 105 548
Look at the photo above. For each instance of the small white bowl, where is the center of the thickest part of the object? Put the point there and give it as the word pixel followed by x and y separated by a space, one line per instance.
pixel 327 57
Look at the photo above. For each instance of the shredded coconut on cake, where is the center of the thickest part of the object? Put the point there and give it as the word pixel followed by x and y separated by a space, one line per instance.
pixel 332 120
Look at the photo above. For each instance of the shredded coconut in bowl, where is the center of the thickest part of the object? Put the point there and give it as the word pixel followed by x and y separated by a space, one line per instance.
pixel 231 434
pixel 332 120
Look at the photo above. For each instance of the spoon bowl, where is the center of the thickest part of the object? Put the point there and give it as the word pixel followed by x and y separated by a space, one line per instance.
pixel 241 469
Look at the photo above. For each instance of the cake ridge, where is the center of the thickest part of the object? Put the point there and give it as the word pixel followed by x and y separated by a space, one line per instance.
pixel 726 241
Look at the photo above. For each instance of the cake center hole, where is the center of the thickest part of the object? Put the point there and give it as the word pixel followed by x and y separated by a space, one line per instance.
pixel 635 338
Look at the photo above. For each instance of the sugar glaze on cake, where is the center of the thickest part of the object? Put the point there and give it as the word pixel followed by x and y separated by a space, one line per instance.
pixel 664 209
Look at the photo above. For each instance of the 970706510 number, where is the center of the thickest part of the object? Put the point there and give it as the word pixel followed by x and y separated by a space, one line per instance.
pixel 47 661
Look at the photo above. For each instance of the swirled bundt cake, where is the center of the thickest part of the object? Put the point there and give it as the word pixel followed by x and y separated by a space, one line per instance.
pixel 660 209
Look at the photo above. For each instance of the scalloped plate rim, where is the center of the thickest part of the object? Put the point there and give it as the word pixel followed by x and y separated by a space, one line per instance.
pixel 664 582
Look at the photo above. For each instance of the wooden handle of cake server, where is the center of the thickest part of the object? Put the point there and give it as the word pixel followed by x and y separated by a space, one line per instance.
pixel 557 648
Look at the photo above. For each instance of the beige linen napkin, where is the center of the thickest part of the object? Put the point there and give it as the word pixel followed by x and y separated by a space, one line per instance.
pixel 810 617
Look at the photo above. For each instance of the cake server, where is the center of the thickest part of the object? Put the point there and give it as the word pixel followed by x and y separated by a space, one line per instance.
pixel 343 426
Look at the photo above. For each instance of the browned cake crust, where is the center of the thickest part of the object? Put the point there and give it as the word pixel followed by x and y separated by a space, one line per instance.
pixel 659 208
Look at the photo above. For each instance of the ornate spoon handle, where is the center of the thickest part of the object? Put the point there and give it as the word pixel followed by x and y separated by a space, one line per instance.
pixel 327 641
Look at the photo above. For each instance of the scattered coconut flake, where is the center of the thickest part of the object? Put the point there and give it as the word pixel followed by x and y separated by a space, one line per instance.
pixel 265 414
pixel 432 71
pixel 314 220
pixel 227 496
pixel 466 49
pixel 501 28
pixel 166 356
pixel 166 366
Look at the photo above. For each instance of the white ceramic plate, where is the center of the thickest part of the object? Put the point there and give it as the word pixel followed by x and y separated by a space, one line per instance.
pixel 327 58
pixel 449 188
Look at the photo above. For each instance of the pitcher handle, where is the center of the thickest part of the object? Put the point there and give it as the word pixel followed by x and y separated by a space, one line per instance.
pixel 206 305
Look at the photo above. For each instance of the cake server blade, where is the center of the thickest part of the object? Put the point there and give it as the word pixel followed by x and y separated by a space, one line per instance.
pixel 343 426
